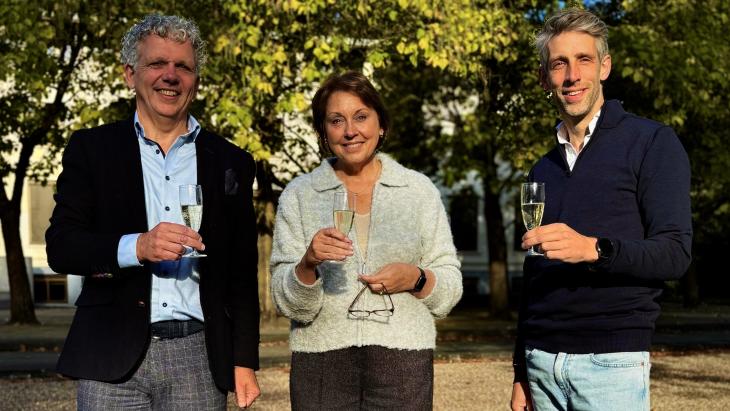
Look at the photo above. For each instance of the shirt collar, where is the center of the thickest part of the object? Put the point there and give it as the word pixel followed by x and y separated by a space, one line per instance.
pixel 191 135
pixel 563 134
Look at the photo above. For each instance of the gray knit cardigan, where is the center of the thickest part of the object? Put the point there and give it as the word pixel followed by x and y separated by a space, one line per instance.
pixel 408 224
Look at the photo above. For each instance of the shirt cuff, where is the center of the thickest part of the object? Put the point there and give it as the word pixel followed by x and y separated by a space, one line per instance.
pixel 127 251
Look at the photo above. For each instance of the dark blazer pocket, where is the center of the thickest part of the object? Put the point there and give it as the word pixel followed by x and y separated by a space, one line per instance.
pixel 231 183
pixel 95 293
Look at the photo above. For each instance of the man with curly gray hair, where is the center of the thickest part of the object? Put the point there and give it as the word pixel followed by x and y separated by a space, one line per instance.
pixel 155 327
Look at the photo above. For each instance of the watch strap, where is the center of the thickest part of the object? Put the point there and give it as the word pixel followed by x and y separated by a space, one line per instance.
pixel 421 280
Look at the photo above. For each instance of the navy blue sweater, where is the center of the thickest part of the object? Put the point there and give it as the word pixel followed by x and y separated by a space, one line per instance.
pixel 630 184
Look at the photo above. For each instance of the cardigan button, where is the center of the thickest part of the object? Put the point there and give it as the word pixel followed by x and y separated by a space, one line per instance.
pixel 140 304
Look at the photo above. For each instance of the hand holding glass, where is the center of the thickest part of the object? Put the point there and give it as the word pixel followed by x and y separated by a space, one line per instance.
pixel 533 204
pixel 191 204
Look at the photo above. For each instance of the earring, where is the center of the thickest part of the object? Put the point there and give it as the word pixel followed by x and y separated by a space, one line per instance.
pixel 549 94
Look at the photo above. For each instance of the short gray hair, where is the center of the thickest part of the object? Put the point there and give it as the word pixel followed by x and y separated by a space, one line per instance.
pixel 572 19
pixel 168 27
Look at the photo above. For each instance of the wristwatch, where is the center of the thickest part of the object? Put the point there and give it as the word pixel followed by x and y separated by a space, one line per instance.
pixel 421 280
pixel 605 249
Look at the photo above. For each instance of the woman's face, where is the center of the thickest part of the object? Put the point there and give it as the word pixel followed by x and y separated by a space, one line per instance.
pixel 353 129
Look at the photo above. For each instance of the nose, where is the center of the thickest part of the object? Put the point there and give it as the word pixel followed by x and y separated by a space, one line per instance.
pixel 573 73
pixel 350 130
pixel 170 73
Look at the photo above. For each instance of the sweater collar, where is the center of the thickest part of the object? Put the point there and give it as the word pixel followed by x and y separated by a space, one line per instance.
pixel 611 114
pixel 392 174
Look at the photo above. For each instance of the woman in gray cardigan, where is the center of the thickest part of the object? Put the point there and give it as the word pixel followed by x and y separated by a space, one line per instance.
pixel 362 303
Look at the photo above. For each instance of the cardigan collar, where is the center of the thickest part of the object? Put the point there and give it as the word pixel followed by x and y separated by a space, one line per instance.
pixel 392 174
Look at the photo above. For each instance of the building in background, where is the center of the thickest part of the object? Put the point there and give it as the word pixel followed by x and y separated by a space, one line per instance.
pixel 48 288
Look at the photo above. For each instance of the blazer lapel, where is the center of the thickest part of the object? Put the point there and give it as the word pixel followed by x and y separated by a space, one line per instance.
pixel 205 158
pixel 131 170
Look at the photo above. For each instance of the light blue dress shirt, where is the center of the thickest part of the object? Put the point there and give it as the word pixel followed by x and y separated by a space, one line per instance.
pixel 175 290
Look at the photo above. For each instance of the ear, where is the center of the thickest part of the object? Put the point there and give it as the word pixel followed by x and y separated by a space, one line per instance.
pixel 129 75
pixel 605 67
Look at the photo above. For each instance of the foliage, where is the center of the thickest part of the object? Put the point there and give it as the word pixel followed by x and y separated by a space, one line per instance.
pixel 670 63
pixel 274 54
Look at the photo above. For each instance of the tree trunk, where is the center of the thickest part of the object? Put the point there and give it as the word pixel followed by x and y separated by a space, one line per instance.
pixel 265 214
pixel 497 246
pixel 22 309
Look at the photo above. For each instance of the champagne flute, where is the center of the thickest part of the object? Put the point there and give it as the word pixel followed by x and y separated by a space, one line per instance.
pixel 191 204
pixel 533 204
pixel 343 211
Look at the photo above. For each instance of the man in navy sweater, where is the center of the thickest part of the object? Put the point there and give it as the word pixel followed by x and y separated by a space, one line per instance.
pixel 616 224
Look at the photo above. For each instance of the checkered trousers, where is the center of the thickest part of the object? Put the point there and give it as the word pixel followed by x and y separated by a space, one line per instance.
pixel 174 375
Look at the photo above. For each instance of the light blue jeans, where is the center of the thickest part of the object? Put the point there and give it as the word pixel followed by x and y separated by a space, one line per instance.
pixel 586 382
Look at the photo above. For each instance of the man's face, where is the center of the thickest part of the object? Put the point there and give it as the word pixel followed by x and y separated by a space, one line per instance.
pixel 574 74
pixel 164 79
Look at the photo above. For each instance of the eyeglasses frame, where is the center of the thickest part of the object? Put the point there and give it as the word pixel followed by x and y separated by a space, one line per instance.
pixel 366 313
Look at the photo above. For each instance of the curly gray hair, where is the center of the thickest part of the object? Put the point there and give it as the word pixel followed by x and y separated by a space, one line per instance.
pixel 168 27
pixel 572 19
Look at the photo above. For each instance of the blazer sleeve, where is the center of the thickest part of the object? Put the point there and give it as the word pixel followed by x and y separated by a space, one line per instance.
pixel 243 297
pixel 73 245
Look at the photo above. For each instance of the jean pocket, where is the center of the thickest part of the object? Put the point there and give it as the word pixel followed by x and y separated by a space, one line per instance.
pixel 620 359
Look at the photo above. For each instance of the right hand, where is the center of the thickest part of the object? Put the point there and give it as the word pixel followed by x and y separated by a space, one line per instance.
pixel 327 244
pixel 521 400
pixel 167 242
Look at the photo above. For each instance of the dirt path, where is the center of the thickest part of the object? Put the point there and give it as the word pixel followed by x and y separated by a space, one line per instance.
pixel 696 381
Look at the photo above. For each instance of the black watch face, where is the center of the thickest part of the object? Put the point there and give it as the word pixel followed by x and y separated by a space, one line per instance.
pixel 605 248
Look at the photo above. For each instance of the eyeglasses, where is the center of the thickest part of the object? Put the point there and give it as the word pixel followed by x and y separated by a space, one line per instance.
pixel 385 312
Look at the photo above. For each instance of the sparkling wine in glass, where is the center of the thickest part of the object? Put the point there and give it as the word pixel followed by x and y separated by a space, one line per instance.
pixel 533 204
pixel 191 204
pixel 343 211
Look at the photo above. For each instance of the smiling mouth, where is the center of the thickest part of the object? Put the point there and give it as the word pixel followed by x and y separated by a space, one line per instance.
pixel 572 93
pixel 352 146
pixel 168 92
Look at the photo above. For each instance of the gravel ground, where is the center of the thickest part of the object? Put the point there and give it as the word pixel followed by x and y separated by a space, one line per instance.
pixel 694 381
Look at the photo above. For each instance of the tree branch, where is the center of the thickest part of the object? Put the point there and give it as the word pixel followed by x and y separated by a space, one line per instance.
pixel 49 119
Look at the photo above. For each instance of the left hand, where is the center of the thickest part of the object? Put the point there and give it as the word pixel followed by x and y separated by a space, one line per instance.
pixel 247 388
pixel 396 277
pixel 560 242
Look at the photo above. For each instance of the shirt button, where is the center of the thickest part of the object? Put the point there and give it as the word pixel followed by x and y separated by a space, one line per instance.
pixel 164 304
pixel 167 178
pixel 157 151
pixel 167 208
